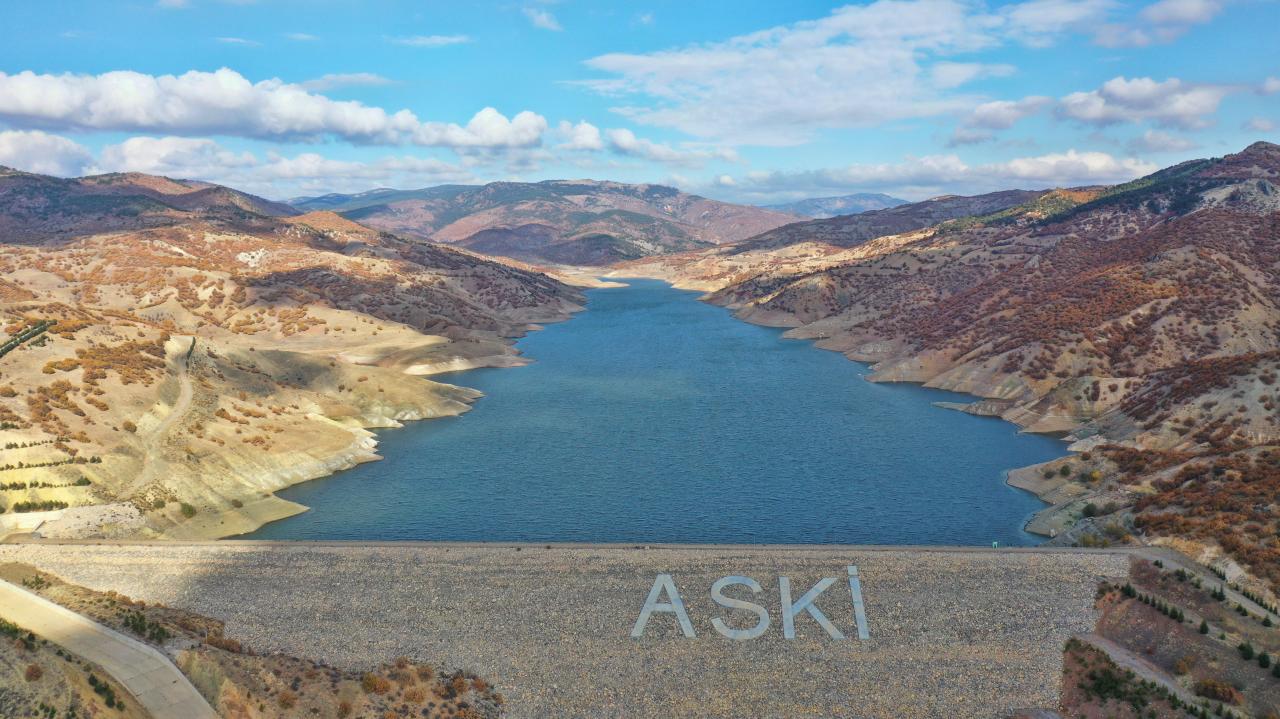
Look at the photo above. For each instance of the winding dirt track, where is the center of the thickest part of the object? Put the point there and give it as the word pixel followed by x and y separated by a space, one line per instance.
pixel 154 450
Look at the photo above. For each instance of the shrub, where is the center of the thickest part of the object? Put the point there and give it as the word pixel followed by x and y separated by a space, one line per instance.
pixel 1246 651
pixel 188 511
pixel 1204 627
pixel 129 426
pixel 287 699
pixel 374 684
pixel 157 504
pixel 34 672
pixel 344 709
pixel 1090 510
pixel 415 695
pixel 1065 470
pixel 1218 690
pixel 1264 660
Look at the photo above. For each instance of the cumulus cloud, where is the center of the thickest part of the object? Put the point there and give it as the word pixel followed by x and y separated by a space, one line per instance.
pixel 542 19
pixel 1173 103
pixel 1159 22
pixel 582 136
pixel 40 152
pixel 625 142
pixel 344 79
pixel 274 175
pixel 921 177
pixel 859 66
pixel 1260 124
pixel 984 119
pixel 226 103
pixel 1156 141
pixel 430 40
pixel 1039 22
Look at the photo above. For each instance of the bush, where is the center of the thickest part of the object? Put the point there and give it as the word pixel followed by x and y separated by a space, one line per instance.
pixel 1065 470
pixel 1218 690
pixel 1204 627
pixel 374 684
pixel 1264 660
pixel 1090 510
pixel 1246 651
pixel 188 511
pixel 287 699
pixel 129 426
pixel 34 672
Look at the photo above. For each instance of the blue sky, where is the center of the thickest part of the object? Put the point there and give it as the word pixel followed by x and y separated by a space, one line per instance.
pixel 744 101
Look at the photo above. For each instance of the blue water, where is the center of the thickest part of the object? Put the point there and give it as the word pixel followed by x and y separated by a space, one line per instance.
pixel 653 417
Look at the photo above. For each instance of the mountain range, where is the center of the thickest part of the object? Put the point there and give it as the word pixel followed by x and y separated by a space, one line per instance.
pixel 570 222
pixel 1141 320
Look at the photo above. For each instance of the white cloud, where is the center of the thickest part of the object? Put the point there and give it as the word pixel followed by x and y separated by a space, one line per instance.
pixel 582 136
pixel 921 177
pixel 542 19
pixel 1159 22
pixel 1156 141
pixel 625 142
pixel 344 79
pixel 1038 22
pixel 1270 86
pixel 644 18
pixel 275 175
pixel 173 4
pixel 301 37
pixel 430 40
pixel 860 66
pixel 40 152
pixel 1260 124
pixel 237 41
pixel 225 103
pixel 1003 114
pixel 984 119
pixel 1173 102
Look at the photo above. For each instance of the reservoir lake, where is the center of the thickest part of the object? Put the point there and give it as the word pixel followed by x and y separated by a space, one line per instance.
pixel 653 417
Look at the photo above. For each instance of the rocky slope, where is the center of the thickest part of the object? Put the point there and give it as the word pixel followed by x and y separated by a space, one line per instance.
pixel 824 207
pixel 165 370
pixel 1142 320
pixel 570 222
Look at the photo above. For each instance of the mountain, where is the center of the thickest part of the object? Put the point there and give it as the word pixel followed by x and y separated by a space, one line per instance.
pixel 571 222
pixel 824 207
pixel 1142 320
pixel 174 342
pixel 39 207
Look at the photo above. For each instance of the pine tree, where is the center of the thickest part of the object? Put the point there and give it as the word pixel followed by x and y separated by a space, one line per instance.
pixel 1204 627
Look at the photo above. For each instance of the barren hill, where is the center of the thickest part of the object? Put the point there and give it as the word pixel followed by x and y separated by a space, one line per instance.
pixel 1144 316
pixel 574 222
pixel 176 351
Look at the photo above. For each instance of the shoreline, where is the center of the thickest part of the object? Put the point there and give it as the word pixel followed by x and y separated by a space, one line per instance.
pixel 1036 524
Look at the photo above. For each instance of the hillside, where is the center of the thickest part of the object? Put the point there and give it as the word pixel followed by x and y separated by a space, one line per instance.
pixel 1144 316
pixel 824 207
pixel 571 222
pixel 175 352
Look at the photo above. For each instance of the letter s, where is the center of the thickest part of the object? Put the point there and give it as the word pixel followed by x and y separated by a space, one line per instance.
pixel 717 595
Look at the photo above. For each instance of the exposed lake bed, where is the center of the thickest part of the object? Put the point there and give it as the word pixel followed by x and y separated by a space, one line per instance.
pixel 653 417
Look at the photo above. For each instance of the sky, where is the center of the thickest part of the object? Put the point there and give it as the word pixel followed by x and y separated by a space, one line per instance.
pixel 737 100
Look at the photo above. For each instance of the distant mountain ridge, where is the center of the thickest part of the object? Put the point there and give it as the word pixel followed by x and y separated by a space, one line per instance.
pixel 824 207
pixel 574 222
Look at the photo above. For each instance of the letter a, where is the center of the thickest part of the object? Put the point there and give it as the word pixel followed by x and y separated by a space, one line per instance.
pixel 675 606
pixel 805 604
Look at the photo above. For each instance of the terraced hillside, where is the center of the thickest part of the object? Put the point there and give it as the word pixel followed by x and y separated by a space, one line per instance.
pixel 170 368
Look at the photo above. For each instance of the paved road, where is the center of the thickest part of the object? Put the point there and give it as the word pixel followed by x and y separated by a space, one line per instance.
pixel 146 673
